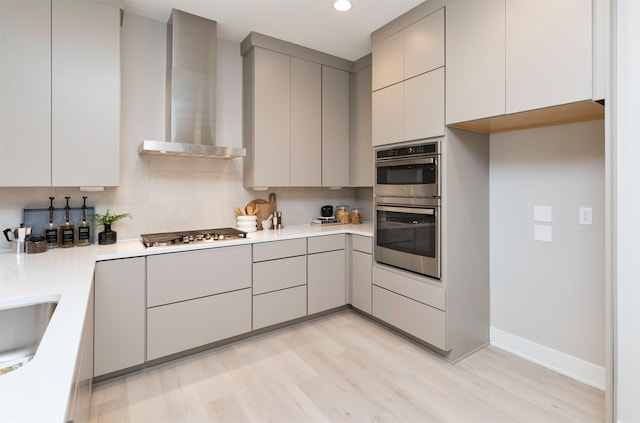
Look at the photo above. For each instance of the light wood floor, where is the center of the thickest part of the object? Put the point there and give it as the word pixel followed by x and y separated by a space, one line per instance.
pixel 344 367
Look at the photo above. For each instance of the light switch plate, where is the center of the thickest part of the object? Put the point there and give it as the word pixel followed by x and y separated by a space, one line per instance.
pixel 542 233
pixel 542 214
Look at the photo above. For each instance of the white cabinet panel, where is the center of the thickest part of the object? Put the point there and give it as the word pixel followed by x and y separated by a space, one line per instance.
pixel 424 105
pixel 548 53
pixel 183 276
pixel 335 127
pixel 475 48
pixel 119 333
pixel 85 97
pixel 279 274
pixel 361 280
pixel 388 58
pixel 306 123
pixel 423 322
pixel 279 306
pixel 326 281
pixel 189 324
pixel 424 45
pixel 388 115
pixel 25 87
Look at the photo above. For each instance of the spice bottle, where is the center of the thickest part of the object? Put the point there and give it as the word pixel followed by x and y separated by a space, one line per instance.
pixel 84 227
pixel 67 229
pixel 51 229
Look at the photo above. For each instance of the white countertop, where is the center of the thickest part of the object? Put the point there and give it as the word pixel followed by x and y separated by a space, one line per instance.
pixel 39 391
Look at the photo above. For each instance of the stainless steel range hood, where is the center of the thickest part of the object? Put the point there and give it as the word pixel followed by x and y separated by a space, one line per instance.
pixel 191 91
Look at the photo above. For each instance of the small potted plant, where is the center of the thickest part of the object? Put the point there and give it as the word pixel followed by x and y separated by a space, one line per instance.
pixel 108 236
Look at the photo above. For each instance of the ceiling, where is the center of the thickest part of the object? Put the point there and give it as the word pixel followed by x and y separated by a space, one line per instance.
pixel 310 23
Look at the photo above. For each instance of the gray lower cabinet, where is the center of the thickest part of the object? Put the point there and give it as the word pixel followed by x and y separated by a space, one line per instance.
pixel 361 262
pixel 279 282
pixel 412 305
pixel 189 324
pixel 326 270
pixel 197 297
pixel 119 325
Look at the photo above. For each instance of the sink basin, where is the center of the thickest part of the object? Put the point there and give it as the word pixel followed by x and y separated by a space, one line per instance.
pixel 21 329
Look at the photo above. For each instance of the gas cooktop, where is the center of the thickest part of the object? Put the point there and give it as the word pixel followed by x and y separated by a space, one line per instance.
pixel 191 237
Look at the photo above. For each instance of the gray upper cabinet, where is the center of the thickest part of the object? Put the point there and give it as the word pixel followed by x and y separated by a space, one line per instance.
pixel 511 56
pixel 267 118
pixel 362 149
pixel 296 115
pixel 60 83
pixel 335 127
pixel 306 123
pixel 408 77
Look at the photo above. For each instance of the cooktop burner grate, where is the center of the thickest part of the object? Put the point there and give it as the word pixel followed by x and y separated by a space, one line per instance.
pixel 191 237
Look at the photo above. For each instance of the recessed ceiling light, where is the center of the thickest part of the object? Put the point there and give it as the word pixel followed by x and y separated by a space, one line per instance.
pixel 342 5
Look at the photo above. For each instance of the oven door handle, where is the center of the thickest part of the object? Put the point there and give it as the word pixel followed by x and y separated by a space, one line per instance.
pixel 403 162
pixel 431 211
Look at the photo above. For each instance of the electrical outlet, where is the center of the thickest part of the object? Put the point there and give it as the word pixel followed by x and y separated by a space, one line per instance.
pixel 586 216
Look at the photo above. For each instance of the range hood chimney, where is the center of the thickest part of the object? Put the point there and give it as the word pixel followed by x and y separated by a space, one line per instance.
pixel 191 91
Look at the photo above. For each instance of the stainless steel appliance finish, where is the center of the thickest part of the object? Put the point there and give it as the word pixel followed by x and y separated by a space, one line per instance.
pixel 191 237
pixel 408 237
pixel 191 91
pixel 407 193
pixel 409 171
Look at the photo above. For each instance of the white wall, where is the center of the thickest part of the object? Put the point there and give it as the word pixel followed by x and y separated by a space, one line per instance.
pixel 172 193
pixel 549 296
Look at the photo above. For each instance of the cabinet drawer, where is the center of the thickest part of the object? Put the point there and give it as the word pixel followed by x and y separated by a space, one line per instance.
pixel 193 274
pixel 279 274
pixel 319 244
pixel 279 249
pixel 362 243
pixel 412 288
pixel 189 324
pixel 279 306
pixel 423 322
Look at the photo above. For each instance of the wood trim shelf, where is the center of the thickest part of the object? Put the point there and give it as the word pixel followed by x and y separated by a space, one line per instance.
pixel 567 113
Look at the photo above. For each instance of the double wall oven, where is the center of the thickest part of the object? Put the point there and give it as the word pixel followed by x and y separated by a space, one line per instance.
pixel 407 208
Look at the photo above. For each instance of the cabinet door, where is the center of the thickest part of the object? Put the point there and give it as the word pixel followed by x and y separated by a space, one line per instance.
pixel 388 61
pixel 362 159
pixel 186 275
pixel 85 94
pixel 335 127
pixel 326 281
pixel 475 51
pixel 424 45
pixel 190 324
pixel 424 106
pixel 272 119
pixel 25 93
pixel 548 53
pixel 306 123
pixel 361 281
pixel 387 115
pixel 119 333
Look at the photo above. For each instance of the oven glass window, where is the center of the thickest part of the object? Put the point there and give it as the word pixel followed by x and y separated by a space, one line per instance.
pixel 413 174
pixel 411 233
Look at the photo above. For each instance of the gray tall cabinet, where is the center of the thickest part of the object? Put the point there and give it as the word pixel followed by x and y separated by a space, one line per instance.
pixel 450 314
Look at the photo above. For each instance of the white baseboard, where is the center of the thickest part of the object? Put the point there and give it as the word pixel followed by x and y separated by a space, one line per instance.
pixel 560 362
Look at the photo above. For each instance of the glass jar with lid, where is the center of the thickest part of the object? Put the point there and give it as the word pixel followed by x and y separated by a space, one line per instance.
pixel 342 214
pixel 356 216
